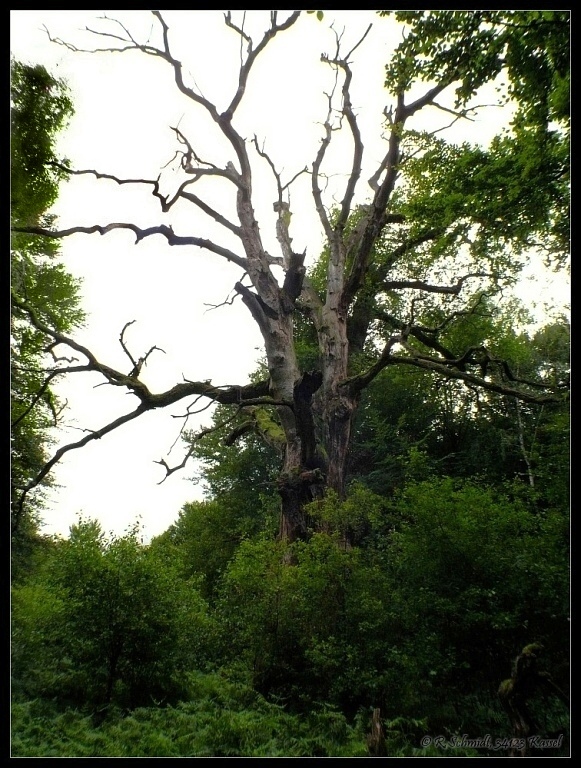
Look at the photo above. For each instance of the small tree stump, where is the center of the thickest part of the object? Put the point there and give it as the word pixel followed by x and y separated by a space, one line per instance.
pixel 376 738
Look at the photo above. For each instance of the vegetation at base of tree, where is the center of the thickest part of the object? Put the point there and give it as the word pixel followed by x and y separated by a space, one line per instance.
pixel 421 619
pixel 223 719
pixel 218 630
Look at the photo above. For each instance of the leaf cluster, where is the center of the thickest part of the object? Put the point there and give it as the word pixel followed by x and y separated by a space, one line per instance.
pixel 40 109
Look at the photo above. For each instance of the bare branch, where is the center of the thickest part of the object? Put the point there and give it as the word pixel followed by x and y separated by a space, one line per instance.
pixel 428 336
pixel 282 208
pixel 226 303
pixel 162 229
pixel 121 341
pixel 185 418
pixel 206 208
pixel 165 201
pixel 100 175
pixel 129 43
pixel 50 350
pixel 463 114
pixel 359 42
pixel 96 435
pixel 377 217
pixel 357 383
pixel 239 395
pixel 42 391
pixel 193 438
pixel 427 98
pixel 190 154
pixel 226 395
pixel 424 335
pixel 347 111
pixel 224 119
pixel 166 55
pixel 252 54
pixel 170 470
pixel 490 386
pixel 189 412
pixel 137 364
pixel 128 36
pixel 453 290
pixel 209 430
pixel 316 174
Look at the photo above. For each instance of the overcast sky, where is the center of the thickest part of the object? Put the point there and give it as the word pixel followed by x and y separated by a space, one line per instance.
pixel 124 107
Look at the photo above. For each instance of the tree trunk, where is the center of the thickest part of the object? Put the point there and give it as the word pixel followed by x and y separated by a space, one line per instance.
pixel 303 476
pixel 376 737
pixel 323 412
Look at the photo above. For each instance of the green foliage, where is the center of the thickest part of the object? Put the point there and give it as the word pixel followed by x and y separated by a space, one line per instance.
pixel 240 475
pixel 306 631
pixel 119 624
pixel 471 48
pixel 243 501
pixel 207 534
pixel 519 186
pixel 420 620
pixel 223 719
pixel 257 611
pixel 511 191
pixel 40 108
pixel 479 573
pixel 36 609
pixel 405 413
pixel 352 519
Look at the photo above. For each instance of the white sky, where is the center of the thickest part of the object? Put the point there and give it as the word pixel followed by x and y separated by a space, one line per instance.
pixel 124 105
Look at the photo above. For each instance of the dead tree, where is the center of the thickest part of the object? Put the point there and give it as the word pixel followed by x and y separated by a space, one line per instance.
pixel 350 315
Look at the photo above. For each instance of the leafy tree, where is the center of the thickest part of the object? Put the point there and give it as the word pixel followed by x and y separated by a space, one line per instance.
pixel 241 503
pixel 528 50
pixel 476 574
pixel 441 226
pixel 464 432
pixel 528 47
pixel 39 111
pixel 113 623
pixel 206 536
pixel 420 621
